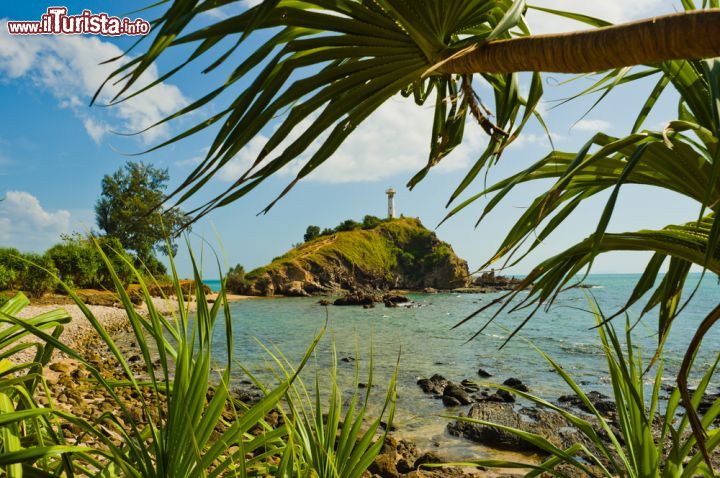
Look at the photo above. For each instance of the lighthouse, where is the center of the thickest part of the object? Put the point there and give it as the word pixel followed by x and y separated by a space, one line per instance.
pixel 391 203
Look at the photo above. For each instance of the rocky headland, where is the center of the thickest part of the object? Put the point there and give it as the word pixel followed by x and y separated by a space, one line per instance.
pixel 396 254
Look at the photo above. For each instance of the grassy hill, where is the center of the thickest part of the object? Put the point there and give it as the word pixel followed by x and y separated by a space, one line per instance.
pixel 395 254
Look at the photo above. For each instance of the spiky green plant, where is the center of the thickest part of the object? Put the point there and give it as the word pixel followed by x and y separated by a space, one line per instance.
pixel 30 436
pixel 325 438
pixel 635 450
pixel 175 436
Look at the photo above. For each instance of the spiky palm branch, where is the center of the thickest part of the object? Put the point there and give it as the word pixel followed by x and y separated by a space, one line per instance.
pixel 683 158
pixel 337 61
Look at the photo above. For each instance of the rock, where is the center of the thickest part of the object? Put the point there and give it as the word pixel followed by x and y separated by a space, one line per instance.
pixel 384 426
pixel 502 396
pixel 324 302
pixel 435 384
pixel 546 423
pixel 516 384
pixel 368 306
pixel 449 401
pixel 347 359
pixel 384 465
pixel 482 373
pixel 294 289
pixel 425 458
pixel 456 392
pixel 356 298
pixel 601 402
pixel 60 366
pixel 430 290
pixel 469 386
pixel 394 299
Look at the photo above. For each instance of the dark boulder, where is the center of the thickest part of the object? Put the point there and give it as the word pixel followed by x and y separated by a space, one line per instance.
pixel 435 384
pixel 455 391
pixel 483 373
pixel 516 384
pixel 356 298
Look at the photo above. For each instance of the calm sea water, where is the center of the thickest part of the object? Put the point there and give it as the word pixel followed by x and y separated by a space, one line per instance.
pixel 425 343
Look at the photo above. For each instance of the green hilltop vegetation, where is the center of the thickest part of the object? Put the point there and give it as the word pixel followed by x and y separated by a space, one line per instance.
pixel 373 255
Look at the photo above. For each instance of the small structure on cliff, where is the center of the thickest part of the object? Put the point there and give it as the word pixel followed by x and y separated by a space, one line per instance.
pixel 391 203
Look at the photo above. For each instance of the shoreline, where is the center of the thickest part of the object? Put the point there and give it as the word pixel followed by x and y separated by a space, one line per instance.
pixel 113 317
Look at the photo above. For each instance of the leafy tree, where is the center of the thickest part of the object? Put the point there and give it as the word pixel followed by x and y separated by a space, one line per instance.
pixel 327 232
pixel 235 279
pixel 128 209
pixel 371 222
pixel 312 232
pixel 347 225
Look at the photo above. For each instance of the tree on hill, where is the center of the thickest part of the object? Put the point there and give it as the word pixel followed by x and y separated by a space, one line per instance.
pixel 312 232
pixel 128 209
pixel 371 222
pixel 347 225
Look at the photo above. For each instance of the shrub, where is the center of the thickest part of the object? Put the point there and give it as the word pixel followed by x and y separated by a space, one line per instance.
pixel 235 279
pixel 371 222
pixel 7 277
pixel 347 225
pixel 327 232
pixel 10 259
pixel 312 232
pixel 40 276
pixel 77 262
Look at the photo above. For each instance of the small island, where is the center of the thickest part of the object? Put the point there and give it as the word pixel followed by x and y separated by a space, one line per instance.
pixel 373 256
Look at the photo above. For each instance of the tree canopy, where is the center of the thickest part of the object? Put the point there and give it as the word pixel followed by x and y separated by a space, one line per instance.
pixel 129 210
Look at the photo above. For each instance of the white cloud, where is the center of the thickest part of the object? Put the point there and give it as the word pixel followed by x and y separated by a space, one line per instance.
pixel 393 140
pixel 612 10
pixel 592 125
pixel 26 224
pixel 68 67
pixel 96 129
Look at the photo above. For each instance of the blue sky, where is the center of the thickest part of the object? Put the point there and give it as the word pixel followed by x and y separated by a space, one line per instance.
pixel 54 150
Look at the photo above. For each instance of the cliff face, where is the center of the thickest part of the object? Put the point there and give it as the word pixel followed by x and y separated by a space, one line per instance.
pixel 396 254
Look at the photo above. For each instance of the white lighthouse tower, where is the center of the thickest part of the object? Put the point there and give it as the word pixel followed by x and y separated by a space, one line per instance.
pixel 391 203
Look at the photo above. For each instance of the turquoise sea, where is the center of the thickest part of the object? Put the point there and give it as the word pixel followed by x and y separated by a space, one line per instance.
pixel 425 343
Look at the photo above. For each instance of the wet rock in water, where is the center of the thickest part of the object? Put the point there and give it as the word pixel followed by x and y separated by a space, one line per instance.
pixel 347 359
pixel 430 290
pixel 469 386
pixel 502 396
pixel 517 384
pixel 457 393
pixel 483 373
pixel 600 401
pixel 384 426
pixel 435 384
pixel 356 298
pixel 449 401
pixel 392 300
pixel 548 424
pixel 368 306
pixel 324 302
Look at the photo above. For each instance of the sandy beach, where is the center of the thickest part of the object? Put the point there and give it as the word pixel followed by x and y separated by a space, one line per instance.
pixel 113 318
